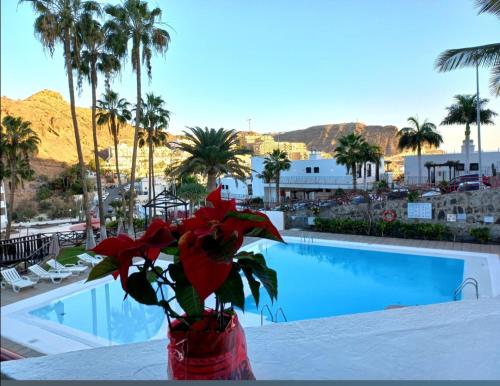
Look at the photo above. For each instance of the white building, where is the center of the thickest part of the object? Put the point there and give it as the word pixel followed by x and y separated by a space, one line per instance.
pixel 314 178
pixel 440 171
pixel 3 207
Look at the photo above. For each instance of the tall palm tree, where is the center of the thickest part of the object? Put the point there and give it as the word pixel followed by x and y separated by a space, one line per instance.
pixel 155 118
pixel 416 136
pixel 114 112
pixel 267 175
pixel 212 153
pixel 95 57
pixel 277 161
pixel 58 22
pixel 348 153
pixel 370 154
pixel 464 112
pixel 17 143
pixel 486 55
pixel 133 20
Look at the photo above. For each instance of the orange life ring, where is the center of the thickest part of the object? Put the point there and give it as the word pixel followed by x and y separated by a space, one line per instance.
pixel 389 215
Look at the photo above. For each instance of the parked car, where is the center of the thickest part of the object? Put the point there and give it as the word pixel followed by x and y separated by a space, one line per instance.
pixel 431 193
pixel 468 185
pixel 455 182
pixel 397 193
pixel 358 200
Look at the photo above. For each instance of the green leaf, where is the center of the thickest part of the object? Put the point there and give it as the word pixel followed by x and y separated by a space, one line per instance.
pixel 153 274
pixel 141 289
pixel 246 216
pixel 253 284
pixel 232 289
pixel 177 274
pixel 256 257
pixel 267 276
pixel 107 266
pixel 188 299
pixel 173 251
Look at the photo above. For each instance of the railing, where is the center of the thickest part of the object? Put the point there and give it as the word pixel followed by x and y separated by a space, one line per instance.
pixel 467 281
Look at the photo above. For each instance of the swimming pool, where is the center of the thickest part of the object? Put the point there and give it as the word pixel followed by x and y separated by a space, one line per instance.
pixel 315 279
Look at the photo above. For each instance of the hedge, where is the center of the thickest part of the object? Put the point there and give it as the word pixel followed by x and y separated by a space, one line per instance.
pixel 424 231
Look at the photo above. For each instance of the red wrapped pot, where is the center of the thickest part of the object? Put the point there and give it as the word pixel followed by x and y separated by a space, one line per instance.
pixel 203 353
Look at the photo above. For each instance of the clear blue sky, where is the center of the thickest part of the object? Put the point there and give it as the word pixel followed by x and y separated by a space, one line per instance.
pixel 287 64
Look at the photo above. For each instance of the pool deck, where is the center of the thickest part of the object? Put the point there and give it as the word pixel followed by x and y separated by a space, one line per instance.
pixel 484 309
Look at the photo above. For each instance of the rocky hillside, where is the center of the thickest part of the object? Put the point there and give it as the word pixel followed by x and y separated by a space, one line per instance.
pixel 324 137
pixel 50 117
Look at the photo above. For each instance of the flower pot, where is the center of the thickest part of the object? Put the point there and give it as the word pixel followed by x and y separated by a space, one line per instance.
pixel 203 353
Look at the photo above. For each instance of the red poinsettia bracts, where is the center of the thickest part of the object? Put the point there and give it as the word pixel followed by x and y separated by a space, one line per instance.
pixel 124 249
pixel 213 236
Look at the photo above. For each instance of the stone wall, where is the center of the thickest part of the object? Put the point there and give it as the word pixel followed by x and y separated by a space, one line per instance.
pixel 475 205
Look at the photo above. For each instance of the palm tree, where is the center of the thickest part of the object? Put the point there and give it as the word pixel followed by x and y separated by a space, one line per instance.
pixel 95 57
pixel 113 112
pixel 155 121
pixel 464 112
pixel 373 154
pixel 486 56
pixel 133 20
pixel 58 22
pixel 277 161
pixel 17 143
pixel 193 192
pixel 416 136
pixel 266 175
pixel 348 153
pixel 212 153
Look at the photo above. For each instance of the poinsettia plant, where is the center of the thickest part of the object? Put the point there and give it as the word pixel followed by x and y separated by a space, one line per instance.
pixel 206 261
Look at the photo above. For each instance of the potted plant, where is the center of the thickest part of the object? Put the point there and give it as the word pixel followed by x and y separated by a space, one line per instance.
pixel 204 279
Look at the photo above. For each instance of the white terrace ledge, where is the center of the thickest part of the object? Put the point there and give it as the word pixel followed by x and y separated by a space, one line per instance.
pixel 456 340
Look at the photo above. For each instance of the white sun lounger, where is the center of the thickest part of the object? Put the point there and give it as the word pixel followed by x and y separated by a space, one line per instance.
pixel 75 269
pixel 89 259
pixel 12 278
pixel 55 276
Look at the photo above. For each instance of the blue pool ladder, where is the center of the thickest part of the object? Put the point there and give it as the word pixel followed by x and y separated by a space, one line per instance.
pixel 469 280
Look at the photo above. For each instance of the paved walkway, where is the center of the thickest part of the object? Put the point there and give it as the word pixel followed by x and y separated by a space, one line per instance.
pixel 8 296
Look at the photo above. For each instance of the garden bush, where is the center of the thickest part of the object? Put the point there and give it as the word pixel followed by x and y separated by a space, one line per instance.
pixel 481 234
pixel 425 231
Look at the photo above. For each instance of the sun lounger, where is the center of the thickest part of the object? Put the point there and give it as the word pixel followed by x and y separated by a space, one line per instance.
pixel 55 276
pixel 12 278
pixel 75 269
pixel 89 259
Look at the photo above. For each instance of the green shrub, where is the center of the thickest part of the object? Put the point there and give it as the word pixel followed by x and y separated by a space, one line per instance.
pixel 413 195
pixel 481 234
pixel 44 192
pixel 424 231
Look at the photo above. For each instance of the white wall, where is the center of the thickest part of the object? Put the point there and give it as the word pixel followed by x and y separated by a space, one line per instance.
pixel 411 164
pixel 233 188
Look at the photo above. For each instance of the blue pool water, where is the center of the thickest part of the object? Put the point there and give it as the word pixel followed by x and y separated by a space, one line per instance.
pixel 317 281
pixel 313 281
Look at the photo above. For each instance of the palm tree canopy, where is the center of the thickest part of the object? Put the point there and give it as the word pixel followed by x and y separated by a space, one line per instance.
pixel 371 153
pixel 418 134
pixel 155 118
pixel 464 111
pixel 111 109
pixel 490 6
pixel 277 161
pixel 348 150
pixel 212 151
pixel 133 20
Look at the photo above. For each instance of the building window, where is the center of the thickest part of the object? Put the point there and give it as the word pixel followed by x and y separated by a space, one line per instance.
pixel 308 170
pixel 359 171
pixel 316 169
pixel 2 211
pixel 460 167
pixel 250 189
pixel 369 170
pixel 474 166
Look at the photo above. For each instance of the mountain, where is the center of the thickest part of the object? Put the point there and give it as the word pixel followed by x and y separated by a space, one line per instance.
pixel 50 118
pixel 324 137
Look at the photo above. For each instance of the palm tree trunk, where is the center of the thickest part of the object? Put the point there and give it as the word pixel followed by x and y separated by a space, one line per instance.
pixel 153 179
pixel 211 182
pixel 150 166
pixel 278 196
pixel 102 220
pixel 364 176
pixel 10 206
pixel 90 241
pixel 134 149
pixel 354 177
pixel 467 148
pixel 419 160
pixel 115 142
